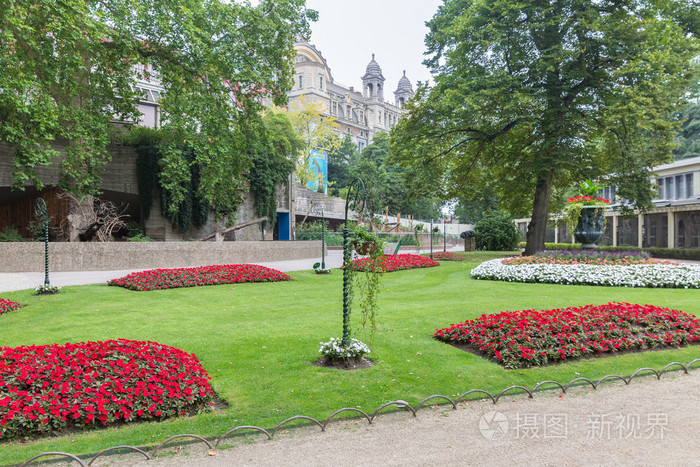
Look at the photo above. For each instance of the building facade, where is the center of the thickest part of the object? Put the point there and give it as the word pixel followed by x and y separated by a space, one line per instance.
pixel 361 113
pixel 673 221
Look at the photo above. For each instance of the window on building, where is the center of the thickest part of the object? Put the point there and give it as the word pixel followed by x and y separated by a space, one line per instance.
pixel 680 182
pixel 660 187
pixel 320 83
pixel 668 184
pixel 301 81
pixel 334 108
pixel 689 189
pixel 349 115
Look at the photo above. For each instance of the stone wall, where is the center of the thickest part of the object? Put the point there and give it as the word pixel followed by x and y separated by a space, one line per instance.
pixel 29 256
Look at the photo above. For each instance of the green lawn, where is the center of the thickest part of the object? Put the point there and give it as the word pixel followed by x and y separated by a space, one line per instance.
pixel 258 342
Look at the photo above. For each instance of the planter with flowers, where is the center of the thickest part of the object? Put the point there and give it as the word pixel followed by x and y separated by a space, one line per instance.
pixel 585 215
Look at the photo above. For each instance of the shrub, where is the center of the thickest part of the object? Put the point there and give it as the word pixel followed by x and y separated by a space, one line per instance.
pixel 156 279
pixel 8 305
pixel 9 234
pixel 47 388
pixel 518 339
pixel 496 231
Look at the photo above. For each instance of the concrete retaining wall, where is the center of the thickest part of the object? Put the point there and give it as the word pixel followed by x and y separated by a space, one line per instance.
pixel 29 256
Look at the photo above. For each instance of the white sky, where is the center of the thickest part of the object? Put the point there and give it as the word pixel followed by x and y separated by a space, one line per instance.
pixel 348 32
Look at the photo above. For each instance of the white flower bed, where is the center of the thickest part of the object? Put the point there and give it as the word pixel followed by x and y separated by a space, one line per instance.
pixel 335 350
pixel 638 275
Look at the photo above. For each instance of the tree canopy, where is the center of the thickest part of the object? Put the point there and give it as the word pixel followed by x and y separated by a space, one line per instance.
pixel 69 68
pixel 534 96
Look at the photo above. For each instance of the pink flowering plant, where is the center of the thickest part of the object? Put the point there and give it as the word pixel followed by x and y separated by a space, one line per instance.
pixel 526 338
pixel 156 279
pixel 49 388
pixel 597 257
pixel 8 305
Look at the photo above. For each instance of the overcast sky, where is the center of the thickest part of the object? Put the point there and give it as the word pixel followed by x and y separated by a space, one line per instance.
pixel 348 32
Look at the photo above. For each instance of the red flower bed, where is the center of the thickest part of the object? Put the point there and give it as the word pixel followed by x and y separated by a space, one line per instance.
pixel 447 256
pixel 518 339
pixel 8 305
pixel 44 388
pixel 393 263
pixel 156 279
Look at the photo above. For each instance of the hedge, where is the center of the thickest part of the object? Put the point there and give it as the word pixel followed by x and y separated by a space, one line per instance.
pixel 668 253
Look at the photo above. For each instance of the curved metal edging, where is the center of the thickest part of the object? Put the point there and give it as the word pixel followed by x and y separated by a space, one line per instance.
pixel 514 387
pixel 656 373
pixel 153 454
pixel 563 389
pixel 581 379
pixel 436 396
pixel 399 404
pixel 612 376
pixel 44 454
pixel 244 427
pixel 663 370
pixel 105 451
pixel 297 417
pixel 476 390
pixel 347 409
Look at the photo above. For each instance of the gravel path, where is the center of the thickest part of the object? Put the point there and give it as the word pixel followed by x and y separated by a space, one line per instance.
pixel 649 422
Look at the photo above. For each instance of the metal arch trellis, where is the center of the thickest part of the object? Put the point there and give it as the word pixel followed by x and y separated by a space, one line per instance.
pixel 355 200
pixel 40 211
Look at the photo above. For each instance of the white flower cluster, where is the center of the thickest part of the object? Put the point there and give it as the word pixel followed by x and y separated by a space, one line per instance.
pixel 335 350
pixel 47 289
pixel 637 275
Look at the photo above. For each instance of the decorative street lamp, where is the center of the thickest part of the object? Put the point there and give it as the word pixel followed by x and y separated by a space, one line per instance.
pixel 40 211
pixel 355 200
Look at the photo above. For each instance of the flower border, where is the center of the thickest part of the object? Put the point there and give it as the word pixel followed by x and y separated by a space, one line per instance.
pixel 684 276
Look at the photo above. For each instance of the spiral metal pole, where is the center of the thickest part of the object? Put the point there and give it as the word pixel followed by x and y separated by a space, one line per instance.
pixel 431 239
pixel 323 240
pixel 42 211
pixel 356 200
pixel 346 285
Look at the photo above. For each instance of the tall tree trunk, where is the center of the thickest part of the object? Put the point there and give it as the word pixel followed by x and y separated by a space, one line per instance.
pixel 540 213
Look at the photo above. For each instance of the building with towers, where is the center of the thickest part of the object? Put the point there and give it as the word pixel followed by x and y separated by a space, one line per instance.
pixel 359 114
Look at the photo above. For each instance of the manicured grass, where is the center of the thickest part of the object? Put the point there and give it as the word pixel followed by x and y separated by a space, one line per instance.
pixel 258 342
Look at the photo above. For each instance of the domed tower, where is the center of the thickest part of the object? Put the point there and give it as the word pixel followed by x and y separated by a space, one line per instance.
pixel 373 81
pixel 404 91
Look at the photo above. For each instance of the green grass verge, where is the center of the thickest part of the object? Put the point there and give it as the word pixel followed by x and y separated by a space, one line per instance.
pixel 258 342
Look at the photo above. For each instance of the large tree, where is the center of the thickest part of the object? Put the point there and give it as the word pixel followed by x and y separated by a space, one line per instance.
pixel 537 95
pixel 68 70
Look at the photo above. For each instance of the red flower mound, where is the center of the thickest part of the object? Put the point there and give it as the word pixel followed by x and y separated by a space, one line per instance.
pixel 156 279
pixel 49 387
pixel 447 256
pixel 8 305
pixel 518 339
pixel 393 263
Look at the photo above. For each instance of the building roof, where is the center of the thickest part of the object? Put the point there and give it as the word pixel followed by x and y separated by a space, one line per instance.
pixel 404 84
pixel 373 70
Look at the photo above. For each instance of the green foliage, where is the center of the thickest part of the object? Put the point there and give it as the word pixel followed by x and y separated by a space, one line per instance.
pixel 534 96
pixel 496 231
pixel 10 234
pixel 139 237
pixel 216 60
pixel 340 161
pixel 273 164
pixel 689 136
pixel 191 209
